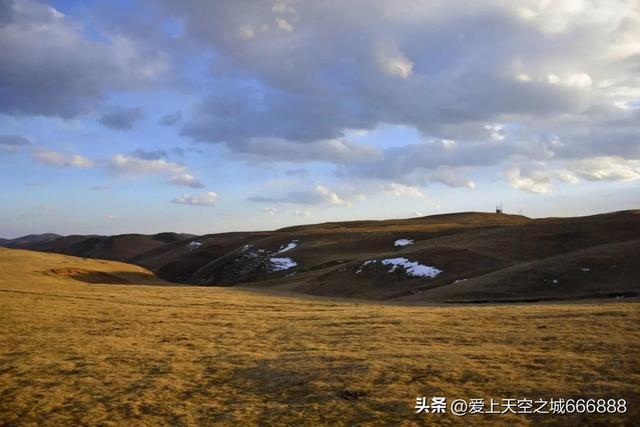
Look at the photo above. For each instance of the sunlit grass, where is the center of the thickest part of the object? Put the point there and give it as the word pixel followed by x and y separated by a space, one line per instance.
pixel 78 353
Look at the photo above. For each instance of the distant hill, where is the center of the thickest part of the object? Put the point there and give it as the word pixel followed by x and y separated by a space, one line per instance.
pixel 459 257
pixel 464 219
pixel 29 239
pixel 123 247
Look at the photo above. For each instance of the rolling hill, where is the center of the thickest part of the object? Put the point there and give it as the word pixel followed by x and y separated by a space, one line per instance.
pixel 460 257
pixel 29 239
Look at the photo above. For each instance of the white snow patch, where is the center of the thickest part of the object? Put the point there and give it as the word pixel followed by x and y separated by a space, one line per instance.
pixel 279 264
pixel 371 261
pixel 555 281
pixel 412 268
pixel 403 242
pixel 246 247
pixel 585 269
pixel 459 281
pixel 288 247
pixel 193 245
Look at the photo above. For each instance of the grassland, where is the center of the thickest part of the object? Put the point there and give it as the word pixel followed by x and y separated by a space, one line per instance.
pixel 75 351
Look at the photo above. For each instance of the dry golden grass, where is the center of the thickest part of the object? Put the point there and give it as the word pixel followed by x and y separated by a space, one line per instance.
pixel 112 354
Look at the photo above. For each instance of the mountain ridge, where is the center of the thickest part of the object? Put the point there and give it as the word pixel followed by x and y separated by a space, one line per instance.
pixel 480 256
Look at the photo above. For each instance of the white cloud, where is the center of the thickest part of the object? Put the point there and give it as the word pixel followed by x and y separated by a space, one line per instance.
pixel 54 158
pixel 606 168
pixel 497 132
pixel 205 199
pixel 246 32
pixel 532 178
pixel 561 16
pixel 401 190
pixel 580 80
pixel 448 143
pixel 536 177
pixel 185 180
pixel 523 77
pixel 393 62
pixel 324 194
pixel 131 165
pixel 552 79
pixel 284 25
pixel 566 176
pixel 302 213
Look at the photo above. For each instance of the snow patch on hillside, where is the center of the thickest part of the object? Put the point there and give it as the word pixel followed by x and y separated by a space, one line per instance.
pixel 280 264
pixel 371 261
pixel 193 245
pixel 288 247
pixel 412 268
pixel 403 242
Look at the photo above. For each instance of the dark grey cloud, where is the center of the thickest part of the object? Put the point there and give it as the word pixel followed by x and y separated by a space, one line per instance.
pixel 490 84
pixel 281 80
pixel 318 195
pixel 51 66
pixel 337 151
pixel 122 118
pixel 171 119
pixel 297 172
pixel 149 154
pixel 436 161
pixel 238 113
pixel 6 11
pixel 14 141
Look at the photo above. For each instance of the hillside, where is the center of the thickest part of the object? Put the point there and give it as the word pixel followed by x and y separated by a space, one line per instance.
pixel 78 347
pixel 123 247
pixel 29 239
pixel 461 257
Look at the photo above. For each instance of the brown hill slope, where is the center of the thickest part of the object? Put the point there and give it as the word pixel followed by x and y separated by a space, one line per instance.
pixel 123 247
pixel 29 239
pixel 452 257
pixel 21 268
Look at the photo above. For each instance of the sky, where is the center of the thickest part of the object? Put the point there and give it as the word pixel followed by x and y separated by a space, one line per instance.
pixel 209 116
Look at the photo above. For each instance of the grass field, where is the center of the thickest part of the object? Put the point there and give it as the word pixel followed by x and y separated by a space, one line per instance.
pixel 74 351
